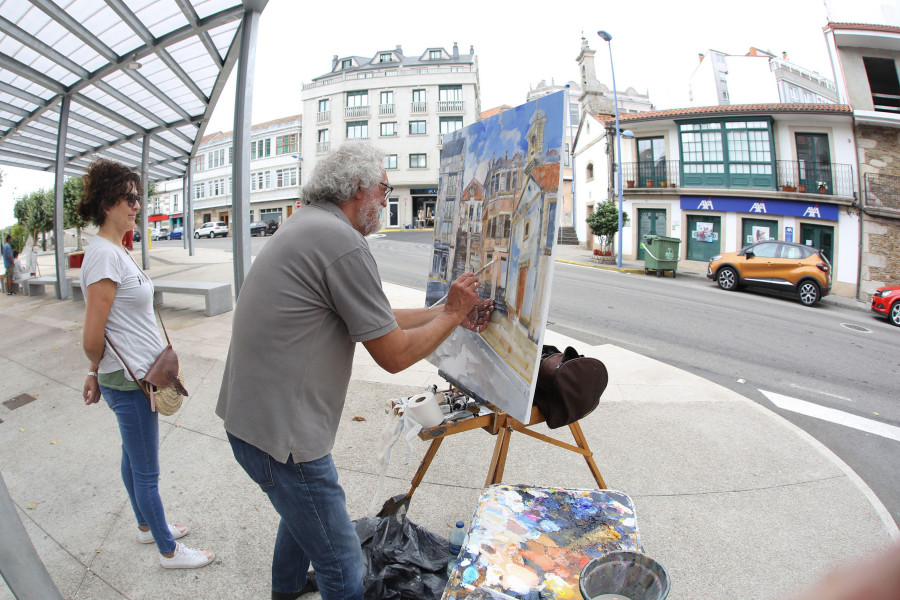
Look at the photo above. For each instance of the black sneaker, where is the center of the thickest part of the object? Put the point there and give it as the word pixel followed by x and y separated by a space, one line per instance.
pixel 311 586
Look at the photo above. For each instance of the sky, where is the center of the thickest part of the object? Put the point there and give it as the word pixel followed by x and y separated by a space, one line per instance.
pixel 655 46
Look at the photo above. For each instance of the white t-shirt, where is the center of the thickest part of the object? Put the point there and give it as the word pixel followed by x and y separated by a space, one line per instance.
pixel 132 323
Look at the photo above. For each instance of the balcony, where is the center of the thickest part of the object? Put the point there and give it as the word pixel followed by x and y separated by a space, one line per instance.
pixel 882 191
pixel 322 146
pixel 659 174
pixel 323 116
pixel 386 109
pixel 418 107
pixel 356 111
pixel 445 106
pixel 815 178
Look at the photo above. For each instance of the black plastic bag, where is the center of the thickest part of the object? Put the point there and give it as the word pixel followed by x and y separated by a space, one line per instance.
pixel 403 560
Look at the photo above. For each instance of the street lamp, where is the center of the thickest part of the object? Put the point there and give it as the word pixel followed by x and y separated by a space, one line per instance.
pixel 608 39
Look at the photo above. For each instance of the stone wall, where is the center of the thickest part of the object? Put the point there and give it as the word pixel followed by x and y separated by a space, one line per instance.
pixel 879 152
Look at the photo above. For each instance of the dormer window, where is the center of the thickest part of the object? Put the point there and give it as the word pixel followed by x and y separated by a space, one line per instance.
pixel 385 57
pixel 346 63
pixel 434 55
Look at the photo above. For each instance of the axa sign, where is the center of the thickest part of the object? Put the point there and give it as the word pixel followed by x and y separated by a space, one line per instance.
pixel 813 212
pixel 705 205
pixel 758 207
pixel 769 206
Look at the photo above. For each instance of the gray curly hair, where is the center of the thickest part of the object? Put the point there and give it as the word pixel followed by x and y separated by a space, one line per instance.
pixel 336 178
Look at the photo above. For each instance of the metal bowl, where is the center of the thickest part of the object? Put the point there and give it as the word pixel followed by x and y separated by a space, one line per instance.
pixel 633 575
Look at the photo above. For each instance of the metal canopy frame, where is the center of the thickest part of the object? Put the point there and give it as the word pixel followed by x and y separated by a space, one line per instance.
pixel 134 81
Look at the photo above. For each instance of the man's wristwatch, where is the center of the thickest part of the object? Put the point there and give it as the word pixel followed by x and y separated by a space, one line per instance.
pixel 92 373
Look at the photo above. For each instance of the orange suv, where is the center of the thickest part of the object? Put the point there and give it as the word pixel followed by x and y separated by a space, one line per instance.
pixel 774 265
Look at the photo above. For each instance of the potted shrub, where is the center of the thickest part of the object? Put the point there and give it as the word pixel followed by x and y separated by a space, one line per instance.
pixel 604 223
pixel 801 188
pixel 788 188
pixel 630 183
pixel 823 187
pixel 648 183
pixel 663 184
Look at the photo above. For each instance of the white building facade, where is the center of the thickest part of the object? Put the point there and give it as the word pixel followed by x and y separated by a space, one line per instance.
pixel 719 177
pixel 275 175
pixel 403 105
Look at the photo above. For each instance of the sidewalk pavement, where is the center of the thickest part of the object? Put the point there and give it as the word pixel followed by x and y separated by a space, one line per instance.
pixel 734 500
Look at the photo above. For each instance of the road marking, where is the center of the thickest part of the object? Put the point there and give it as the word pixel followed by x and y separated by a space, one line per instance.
pixel 800 387
pixel 833 416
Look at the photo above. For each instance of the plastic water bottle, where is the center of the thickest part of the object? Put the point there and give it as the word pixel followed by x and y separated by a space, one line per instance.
pixel 456 541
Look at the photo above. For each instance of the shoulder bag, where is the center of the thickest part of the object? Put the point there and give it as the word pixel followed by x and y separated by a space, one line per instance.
pixel 569 385
pixel 163 383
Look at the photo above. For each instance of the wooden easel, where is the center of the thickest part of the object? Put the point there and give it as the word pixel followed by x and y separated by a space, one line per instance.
pixel 502 425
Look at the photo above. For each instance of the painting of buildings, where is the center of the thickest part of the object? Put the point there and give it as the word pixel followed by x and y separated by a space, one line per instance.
pixel 497 205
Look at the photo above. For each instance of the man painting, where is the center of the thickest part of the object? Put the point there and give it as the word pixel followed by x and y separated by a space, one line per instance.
pixel 314 289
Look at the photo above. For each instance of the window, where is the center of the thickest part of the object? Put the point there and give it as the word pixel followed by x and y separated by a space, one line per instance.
pixel 216 158
pixel 357 130
pixel 199 190
pixel 323 136
pixel 417 128
pixel 882 74
pixel 434 55
pixel 389 128
pixel 357 99
pixel 260 148
pixel 174 202
pixel 324 105
pixel 346 63
pixel 589 171
pixel 230 155
pixel 418 95
pixel 261 180
pixel 285 177
pixel 447 93
pixel 385 57
pixel 451 124
pixel 198 162
pixel 730 153
pixel 387 98
pixel 390 161
pixel 285 144
pixel 418 161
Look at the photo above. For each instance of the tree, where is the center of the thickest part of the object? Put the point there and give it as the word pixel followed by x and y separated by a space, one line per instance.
pixel 39 214
pixel 73 191
pixel 604 222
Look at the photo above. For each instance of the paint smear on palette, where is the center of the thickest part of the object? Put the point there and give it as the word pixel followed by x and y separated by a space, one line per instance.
pixel 531 543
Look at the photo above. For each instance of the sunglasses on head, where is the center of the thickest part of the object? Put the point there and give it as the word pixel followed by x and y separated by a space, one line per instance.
pixel 132 199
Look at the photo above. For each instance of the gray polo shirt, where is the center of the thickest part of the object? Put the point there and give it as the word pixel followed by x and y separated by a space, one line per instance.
pixel 312 292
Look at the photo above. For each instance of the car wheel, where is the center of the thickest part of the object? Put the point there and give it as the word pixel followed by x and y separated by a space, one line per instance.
pixel 727 278
pixel 809 293
pixel 894 316
pixel 196 236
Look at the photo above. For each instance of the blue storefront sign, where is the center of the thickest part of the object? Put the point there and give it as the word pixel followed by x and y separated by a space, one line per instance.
pixel 762 206
pixel 789 234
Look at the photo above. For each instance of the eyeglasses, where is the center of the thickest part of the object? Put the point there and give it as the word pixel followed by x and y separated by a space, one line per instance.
pixel 132 199
pixel 387 188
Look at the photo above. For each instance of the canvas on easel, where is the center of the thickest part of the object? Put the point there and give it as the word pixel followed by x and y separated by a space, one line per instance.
pixel 497 203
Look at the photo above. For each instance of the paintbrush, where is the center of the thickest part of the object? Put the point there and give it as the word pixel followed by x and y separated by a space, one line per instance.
pixel 478 272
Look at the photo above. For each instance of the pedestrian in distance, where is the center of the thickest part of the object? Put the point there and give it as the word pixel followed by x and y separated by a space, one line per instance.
pixel 119 305
pixel 9 264
pixel 315 288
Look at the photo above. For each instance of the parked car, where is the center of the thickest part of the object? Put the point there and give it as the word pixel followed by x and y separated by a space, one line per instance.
pixel 886 302
pixel 136 235
pixel 258 228
pixel 775 265
pixel 271 227
pixel 177 233
pixel 212 229
pixel 161 233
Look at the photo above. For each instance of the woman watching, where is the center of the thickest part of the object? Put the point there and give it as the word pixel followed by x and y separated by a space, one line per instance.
pixel 119 304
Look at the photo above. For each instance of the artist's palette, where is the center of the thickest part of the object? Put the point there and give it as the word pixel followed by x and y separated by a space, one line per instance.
pixel 531 543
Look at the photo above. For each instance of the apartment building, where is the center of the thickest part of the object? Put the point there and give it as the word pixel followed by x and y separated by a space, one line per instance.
pixel 865 59
pixel 720 177
pixel 757 77
pixel 275 173
pixel 403 105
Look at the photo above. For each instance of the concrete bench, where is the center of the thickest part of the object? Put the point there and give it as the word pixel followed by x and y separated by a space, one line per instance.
pixel 37 286
pixel 218 295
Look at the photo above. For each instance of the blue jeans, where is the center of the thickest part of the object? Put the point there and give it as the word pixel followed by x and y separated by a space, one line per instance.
pixel 314 527
pixel 140 461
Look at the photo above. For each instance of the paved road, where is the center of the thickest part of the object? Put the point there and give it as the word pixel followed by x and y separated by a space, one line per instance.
pixel 749 342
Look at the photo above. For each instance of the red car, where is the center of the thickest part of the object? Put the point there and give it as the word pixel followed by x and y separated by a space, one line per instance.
pixel 886 302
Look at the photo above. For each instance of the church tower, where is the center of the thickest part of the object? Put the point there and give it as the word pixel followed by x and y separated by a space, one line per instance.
pixel 593 101
pixel 535 138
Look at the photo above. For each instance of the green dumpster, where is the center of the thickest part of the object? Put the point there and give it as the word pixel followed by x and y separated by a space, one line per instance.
pixel 660 254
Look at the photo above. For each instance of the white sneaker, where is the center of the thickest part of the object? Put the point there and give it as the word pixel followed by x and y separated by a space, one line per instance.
pixel 146 537
pixel 186 558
